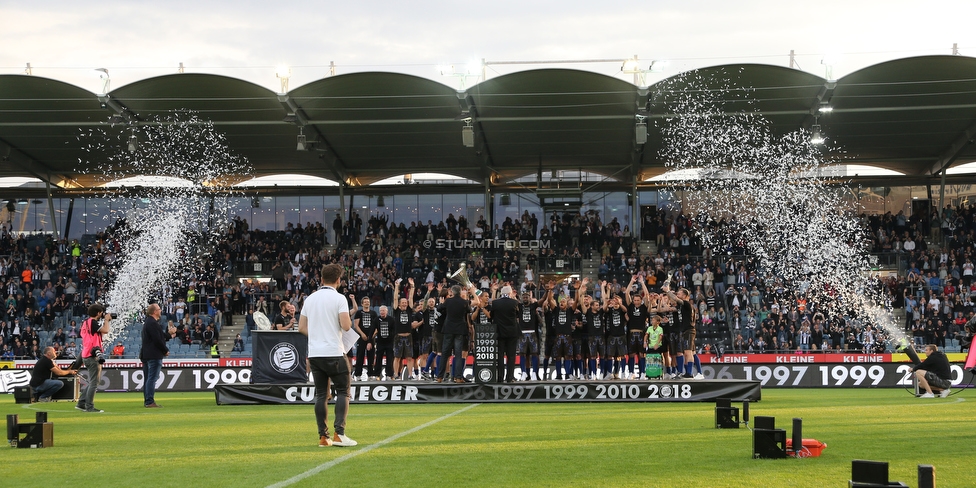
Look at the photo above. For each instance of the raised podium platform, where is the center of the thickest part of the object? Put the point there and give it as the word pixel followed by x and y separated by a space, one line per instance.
pixel 525 391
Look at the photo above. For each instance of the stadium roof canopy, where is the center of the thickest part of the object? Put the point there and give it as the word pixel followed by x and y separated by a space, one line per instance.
pixel 915 115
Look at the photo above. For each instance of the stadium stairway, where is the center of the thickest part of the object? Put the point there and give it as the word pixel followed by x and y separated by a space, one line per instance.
pixel 228 333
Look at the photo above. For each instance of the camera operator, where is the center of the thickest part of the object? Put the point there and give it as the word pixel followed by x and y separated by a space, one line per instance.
pixel 933 373
pixel 92 354
pixel 41 380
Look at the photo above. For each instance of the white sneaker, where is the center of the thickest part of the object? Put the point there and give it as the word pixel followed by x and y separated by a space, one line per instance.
pixel 699 376
pixel 340 440
pixel 927 395
pixel 944 393
pixel 532 377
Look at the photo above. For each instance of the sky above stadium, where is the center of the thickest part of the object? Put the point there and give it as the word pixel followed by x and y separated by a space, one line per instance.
pixel 67 40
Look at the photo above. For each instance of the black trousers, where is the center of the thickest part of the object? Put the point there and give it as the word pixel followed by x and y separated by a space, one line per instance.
pixel 506 349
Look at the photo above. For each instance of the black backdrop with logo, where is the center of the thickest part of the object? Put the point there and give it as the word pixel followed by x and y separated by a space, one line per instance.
pixel 279 357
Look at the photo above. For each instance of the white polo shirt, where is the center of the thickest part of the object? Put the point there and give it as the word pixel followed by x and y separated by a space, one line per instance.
pixel 322 310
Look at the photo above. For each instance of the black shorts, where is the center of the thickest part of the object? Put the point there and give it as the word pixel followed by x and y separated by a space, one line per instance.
pixel 635 342
pixel 403 347
pixel 435 341
pixel 937 382
pixel 528 344
pixel 578 346
pixel 562 346
pixel 673 342
pixel 425 346
pixel 616 347
pixel 597 346
pixel 688 340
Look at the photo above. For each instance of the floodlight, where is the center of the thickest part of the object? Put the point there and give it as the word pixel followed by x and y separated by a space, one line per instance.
pixel 816 137
pixel 630 66
pixel 133 143
pixel 283 72
pixel 640 132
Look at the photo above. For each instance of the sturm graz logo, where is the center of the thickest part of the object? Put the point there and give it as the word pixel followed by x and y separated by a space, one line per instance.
pixel 284 358
pixel 485 375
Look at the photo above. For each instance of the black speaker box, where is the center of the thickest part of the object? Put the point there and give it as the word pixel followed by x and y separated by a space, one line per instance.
pixel 768 443
pixel 726 417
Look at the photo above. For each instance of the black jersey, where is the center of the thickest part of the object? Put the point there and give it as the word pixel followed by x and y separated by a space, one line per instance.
pixel 384 328
pixel 429 318
pixel 482 317
pixel 402 320
pixel 684 316
pixel 669 322
pixel 562 321
pixel 529 317
pixel 637 317
pixel 616 325
pixel 425 328
pixel 367 321
pixel 595 326
pixel 579 331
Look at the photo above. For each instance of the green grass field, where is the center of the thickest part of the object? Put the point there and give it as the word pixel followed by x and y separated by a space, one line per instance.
pixel 193 442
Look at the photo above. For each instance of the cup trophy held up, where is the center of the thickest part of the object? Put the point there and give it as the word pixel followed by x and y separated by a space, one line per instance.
pixel 461 276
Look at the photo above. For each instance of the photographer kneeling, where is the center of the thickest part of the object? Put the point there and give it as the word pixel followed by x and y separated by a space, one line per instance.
pixel 41 380
pixel 934 374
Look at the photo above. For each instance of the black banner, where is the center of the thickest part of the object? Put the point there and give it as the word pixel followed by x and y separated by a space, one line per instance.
pixel 279 357
pixel 841 375
pixel 617 391
pixel 837 375
pixel 170 379
pixel 485 353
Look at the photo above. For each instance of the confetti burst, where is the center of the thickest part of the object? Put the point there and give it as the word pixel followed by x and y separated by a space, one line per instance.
pixel 767 194
pixel 167 235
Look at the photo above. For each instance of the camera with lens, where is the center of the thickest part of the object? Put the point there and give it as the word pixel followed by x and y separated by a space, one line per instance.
pixel 98 355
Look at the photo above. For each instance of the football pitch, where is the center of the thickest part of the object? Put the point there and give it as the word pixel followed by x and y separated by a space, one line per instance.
pixel 193 442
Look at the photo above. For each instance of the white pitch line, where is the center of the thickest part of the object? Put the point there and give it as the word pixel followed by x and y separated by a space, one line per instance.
pixel 324 466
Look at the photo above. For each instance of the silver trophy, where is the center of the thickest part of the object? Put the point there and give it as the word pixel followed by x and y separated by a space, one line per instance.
pixel 667 282
pixel 461 276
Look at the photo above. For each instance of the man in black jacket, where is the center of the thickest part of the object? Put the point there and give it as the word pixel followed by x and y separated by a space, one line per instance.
pixel 504 313
pixel 455 311
pixel 934 374
pixel 153 351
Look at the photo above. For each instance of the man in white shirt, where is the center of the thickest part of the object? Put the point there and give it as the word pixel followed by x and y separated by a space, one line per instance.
pixel 324 318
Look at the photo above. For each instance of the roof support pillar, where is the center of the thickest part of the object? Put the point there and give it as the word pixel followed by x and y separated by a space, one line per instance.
pixel 489 208
pixel 50 209
pixel 942 193
pixel 634 207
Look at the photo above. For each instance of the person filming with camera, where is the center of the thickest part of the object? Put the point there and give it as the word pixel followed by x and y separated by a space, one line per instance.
pixel 933 374
pixel 41 377
pixel 92 353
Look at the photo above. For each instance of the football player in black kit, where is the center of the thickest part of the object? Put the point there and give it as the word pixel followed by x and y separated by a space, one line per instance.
pixel 594 324
pixel 530 316
pixel 672 337
pixel 637 320
pixel 579 332
pixel 427 318
pixel 403 323
pixel 364 321
pixel 616 335
pixel 549 337
pixel 686 329
pixel 563 318
pixel 383 343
